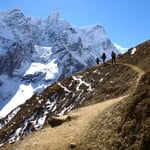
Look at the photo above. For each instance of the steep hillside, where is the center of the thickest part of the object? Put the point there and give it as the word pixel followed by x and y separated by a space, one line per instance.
pixel 135 125
pixel 96 84
pixel 101 127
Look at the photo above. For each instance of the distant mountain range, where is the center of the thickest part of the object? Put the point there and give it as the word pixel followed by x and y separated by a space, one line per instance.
pixel 35 53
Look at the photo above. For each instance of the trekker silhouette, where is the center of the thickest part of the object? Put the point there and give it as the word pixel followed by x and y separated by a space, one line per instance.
pixel 97 60
pixel 113 56
pixel 103 57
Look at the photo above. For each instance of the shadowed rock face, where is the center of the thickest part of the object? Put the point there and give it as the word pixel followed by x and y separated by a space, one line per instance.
pixel 13 58
pixel 15 44
pixel 33 78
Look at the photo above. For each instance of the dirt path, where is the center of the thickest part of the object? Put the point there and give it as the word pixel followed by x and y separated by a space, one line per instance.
pixel 136 69
pixel 60 137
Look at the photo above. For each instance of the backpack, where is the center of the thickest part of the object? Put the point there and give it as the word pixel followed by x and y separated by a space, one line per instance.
pixel 97 60
pixel 103 56
pixel 113 55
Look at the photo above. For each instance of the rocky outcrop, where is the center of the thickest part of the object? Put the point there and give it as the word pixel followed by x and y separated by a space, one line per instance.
pixel 12 59
pixel 33 78
pixel 15 41
pixel 56 121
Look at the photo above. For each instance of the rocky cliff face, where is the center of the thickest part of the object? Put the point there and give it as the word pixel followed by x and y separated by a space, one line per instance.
pixel 15 44
pixel 35 53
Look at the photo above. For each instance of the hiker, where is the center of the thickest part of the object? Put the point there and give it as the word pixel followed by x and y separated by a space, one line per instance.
pixel 113 57
pixel 103 57
pixel 97 60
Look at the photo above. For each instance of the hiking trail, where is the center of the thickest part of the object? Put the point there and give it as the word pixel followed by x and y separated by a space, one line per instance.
pixel 136 69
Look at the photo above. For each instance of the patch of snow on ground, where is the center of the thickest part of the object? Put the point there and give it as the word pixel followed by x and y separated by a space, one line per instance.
pixel 65 89
pixel 82 82
pixel 133 51
pixel 40 122
pixel 66 110
pixel 10 116
pixel 101 80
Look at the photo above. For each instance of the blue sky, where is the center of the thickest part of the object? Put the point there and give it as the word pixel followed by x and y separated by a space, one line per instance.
pixel 126 22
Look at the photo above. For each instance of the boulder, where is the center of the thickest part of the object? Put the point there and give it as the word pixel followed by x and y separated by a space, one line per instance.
pixel 56 121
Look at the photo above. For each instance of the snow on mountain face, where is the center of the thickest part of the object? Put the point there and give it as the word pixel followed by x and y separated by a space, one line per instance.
pixel 121 49
pixel 35 53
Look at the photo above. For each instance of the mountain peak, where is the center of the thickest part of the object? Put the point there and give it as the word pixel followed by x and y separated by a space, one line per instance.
pixel 54 15
pixel 15 10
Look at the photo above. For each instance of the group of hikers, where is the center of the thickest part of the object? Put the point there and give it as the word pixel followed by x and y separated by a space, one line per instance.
pixel 103 57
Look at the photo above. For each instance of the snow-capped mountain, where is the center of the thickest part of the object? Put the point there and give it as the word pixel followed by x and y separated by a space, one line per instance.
pixel 35 53
pixel 121 49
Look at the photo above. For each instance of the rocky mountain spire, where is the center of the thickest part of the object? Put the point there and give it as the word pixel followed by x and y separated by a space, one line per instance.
pixel 54 17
